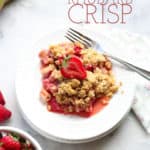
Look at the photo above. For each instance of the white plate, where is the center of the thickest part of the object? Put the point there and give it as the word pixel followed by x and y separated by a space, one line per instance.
pixel 67 128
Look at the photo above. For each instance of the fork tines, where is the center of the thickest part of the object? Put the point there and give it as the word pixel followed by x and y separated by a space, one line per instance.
pixel 74 35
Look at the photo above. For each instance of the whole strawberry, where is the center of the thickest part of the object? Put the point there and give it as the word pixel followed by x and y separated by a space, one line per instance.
pixel 2 100
pixel 5 114
pixel 10 143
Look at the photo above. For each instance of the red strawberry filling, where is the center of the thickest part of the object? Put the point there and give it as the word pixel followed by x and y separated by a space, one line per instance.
pixel 55 107
pixel 72 66
pixel 94 108
pixel 77 50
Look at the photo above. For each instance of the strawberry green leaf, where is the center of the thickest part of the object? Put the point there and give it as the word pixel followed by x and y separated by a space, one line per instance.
pixel 15 136
pixel 65 61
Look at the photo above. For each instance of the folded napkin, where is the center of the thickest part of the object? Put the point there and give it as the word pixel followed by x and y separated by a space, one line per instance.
pixel 141 106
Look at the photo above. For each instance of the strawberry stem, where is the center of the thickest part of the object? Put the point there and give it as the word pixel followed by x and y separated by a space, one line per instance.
pixel 65 61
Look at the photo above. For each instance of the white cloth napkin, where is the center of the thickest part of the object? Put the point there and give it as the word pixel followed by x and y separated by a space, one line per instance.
pixel 141 106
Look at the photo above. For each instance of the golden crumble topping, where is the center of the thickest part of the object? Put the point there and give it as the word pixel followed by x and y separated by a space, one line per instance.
pixel 75 95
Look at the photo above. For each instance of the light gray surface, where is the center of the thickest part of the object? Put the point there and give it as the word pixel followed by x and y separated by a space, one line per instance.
pixel 25 21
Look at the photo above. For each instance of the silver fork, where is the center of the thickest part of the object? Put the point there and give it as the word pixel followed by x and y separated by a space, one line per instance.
pixel 74 35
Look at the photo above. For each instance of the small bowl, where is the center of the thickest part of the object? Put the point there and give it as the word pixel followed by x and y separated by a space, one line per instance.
pixel 22 134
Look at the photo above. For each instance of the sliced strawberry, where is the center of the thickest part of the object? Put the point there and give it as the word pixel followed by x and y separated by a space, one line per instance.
pixel 2 100
pixel 73 68
pixel 9 143
pixel 5 114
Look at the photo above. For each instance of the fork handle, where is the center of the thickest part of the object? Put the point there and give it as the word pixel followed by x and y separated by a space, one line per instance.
pixel 140 71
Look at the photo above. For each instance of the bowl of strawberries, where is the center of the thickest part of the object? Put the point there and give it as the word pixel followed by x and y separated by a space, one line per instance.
pixel 15 139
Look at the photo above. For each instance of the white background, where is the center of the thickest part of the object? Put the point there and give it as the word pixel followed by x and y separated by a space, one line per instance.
pixel 22 23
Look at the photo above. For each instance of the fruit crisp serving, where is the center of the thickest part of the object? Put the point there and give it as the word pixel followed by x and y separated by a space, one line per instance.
pixel 75 80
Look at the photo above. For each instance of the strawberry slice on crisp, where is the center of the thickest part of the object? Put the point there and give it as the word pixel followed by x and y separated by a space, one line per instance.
pixel 73 68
